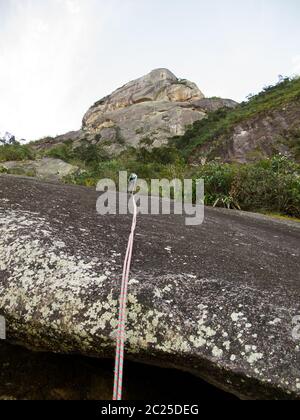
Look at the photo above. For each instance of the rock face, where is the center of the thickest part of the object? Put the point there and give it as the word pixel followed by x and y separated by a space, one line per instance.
pixel 145 112
pixel 152 108
pixel 159 85
pixel 217 300
pixel 47 169
pixel 149 110
pixel 259 137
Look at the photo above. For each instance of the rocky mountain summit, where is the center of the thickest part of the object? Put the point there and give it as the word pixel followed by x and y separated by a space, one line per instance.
pixel 147 111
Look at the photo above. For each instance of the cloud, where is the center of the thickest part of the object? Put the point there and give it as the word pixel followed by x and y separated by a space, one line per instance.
pixel 73 6
pixel 60 56
pixel 45 64
pixel 41 26
pixel 296 64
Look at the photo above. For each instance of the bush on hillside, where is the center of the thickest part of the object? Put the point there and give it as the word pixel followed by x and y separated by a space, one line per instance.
pixel 218 180
pixel 222 122
pixel 270 185
pixel 16 151
pixel 63 152
pixel 164 155
pixel 87 154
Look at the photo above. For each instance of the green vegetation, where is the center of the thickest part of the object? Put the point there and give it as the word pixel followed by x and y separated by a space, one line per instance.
pixel 267 186
pixel 221 123
pixel 22 172
pixel 60 152
pixel 271 185
pixel 86 154
pixel 293 141
pixel 159 163
pixel 16 151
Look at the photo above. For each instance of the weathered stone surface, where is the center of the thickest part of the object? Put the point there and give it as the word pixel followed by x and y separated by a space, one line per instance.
pixel 216 300
pixel 154 107
pixel 213 104
pixel 145 112
pixel 48 143
pixel 257 138
pixel 47 169
pixel 152 122
pixel 159 85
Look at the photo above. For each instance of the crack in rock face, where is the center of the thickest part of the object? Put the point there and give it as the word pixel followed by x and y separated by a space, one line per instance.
pixel 56 295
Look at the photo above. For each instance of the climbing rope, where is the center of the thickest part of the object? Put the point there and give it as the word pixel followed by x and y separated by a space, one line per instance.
pixel 121 335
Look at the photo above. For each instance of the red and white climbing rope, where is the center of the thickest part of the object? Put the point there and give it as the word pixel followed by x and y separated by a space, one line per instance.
pixel 121 335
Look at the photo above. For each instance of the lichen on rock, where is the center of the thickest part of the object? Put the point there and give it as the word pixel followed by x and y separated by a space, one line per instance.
pixel 60 270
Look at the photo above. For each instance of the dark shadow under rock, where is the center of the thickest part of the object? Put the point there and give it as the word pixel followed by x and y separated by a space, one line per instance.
pixel 25 375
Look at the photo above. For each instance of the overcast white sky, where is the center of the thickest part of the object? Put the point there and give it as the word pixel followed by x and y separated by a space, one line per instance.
pixel 57 57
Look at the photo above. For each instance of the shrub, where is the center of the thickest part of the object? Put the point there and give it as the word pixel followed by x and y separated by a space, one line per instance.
pixel 16 152
pixel 63 152
pixel 88 154
pixel 221 123
pixel 218 180
pixel 271 185
pixel 164 155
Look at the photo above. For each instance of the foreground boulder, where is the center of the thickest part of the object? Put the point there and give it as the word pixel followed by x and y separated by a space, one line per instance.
pixel 49 169
pixel 216 300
